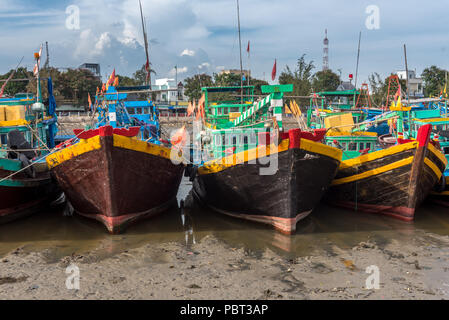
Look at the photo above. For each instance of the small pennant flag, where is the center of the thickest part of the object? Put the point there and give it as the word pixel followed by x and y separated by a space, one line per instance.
pixel 190 109
pixel 179 137
pixel 247 49
pixel 37 56
pixel 89 100
pixel 111 78
pixel 273 72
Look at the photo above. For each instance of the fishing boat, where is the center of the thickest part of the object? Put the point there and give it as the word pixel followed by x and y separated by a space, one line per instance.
pixel 27 130
pixel 250 168
pixel 440 137
pixel 384 178
pixel 120 171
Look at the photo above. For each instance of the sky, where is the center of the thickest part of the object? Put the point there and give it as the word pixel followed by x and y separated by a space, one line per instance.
pixel 201 35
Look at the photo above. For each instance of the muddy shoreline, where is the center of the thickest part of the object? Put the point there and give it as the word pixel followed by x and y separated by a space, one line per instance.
pixel 194 253
pixel 212 269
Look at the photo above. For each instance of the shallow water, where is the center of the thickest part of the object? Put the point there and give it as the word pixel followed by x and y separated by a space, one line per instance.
pixel 59 236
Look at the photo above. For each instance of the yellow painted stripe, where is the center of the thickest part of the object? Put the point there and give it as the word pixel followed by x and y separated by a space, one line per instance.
pixel 378 154
pixel 13 123
pixel 373 172
pixel 141 146
pixel 83 146
pixel 221 164
pixel 442 193
pixel 347 133
pixel 321 148
pixel 432 120
pixel 433 166
pixel 438 153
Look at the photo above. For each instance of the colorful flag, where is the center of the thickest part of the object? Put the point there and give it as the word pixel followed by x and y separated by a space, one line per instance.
pixel 190 109
pixel 111 78
pixel 179 137
pixel 273 72
pixel 147 68
pixel 89 100
pixel 201 103
pixel 115 82
pixel 37 56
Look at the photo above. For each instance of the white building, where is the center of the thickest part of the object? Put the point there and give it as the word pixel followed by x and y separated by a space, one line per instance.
pixel 415 84
pixel 173 92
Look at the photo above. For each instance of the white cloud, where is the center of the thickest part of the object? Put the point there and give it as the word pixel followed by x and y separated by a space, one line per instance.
pixel 188 52
pixel 181 70
pixel 204 65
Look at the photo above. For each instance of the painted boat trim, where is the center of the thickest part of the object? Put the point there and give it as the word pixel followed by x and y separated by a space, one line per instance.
pixel 437 153
pixel 221 164
pixel 378 154
pixel 94 143
pixel 432 166
pixel 373 172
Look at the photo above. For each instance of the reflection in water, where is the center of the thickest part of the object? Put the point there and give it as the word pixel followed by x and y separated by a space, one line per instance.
pixel 325 228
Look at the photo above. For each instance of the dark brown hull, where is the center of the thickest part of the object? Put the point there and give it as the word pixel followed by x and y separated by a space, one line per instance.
pixel 117 185
pixel 394 184
pixel 281 199
pixel 21 196
pixel 440 194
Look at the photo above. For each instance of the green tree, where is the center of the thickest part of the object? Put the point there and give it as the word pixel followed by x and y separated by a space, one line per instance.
pixel 379 89
pixel 300 78
pixel 14 87
pixel 434 80
pixel 141 75
pixel 125 81
pixel 325 80
pixel 71 86
pixel 194 84
pixel 227 80
pixel 257 83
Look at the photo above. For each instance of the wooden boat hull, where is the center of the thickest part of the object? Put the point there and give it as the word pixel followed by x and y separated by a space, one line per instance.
pixel 440 194
pixel 237 188
pixel 392 182
pixel 115 179
pixel 22 196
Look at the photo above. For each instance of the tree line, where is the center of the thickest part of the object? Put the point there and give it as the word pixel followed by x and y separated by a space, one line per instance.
pixel 70 86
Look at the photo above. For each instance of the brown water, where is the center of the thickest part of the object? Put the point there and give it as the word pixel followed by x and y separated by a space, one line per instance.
pixel 60 236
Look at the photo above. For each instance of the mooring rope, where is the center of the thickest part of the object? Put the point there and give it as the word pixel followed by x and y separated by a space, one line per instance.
pixel 39 159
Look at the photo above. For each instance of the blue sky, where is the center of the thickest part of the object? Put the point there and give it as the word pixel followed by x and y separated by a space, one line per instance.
pixel 201 35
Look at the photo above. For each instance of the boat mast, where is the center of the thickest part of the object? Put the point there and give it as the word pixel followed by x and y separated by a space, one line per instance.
pixel 408 96
pixel 240 46
pixel 357 67
pixel 145 40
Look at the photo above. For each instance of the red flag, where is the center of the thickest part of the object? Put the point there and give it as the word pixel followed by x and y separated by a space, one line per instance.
pixel 111 78
pixel 147 68
pixel 89 100
pixel 247 49
pixel 273 73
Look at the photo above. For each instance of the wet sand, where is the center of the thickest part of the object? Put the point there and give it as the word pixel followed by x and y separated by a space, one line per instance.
pixel 198 254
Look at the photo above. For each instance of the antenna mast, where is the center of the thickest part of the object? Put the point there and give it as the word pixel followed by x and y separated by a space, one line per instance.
pixel 326 52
